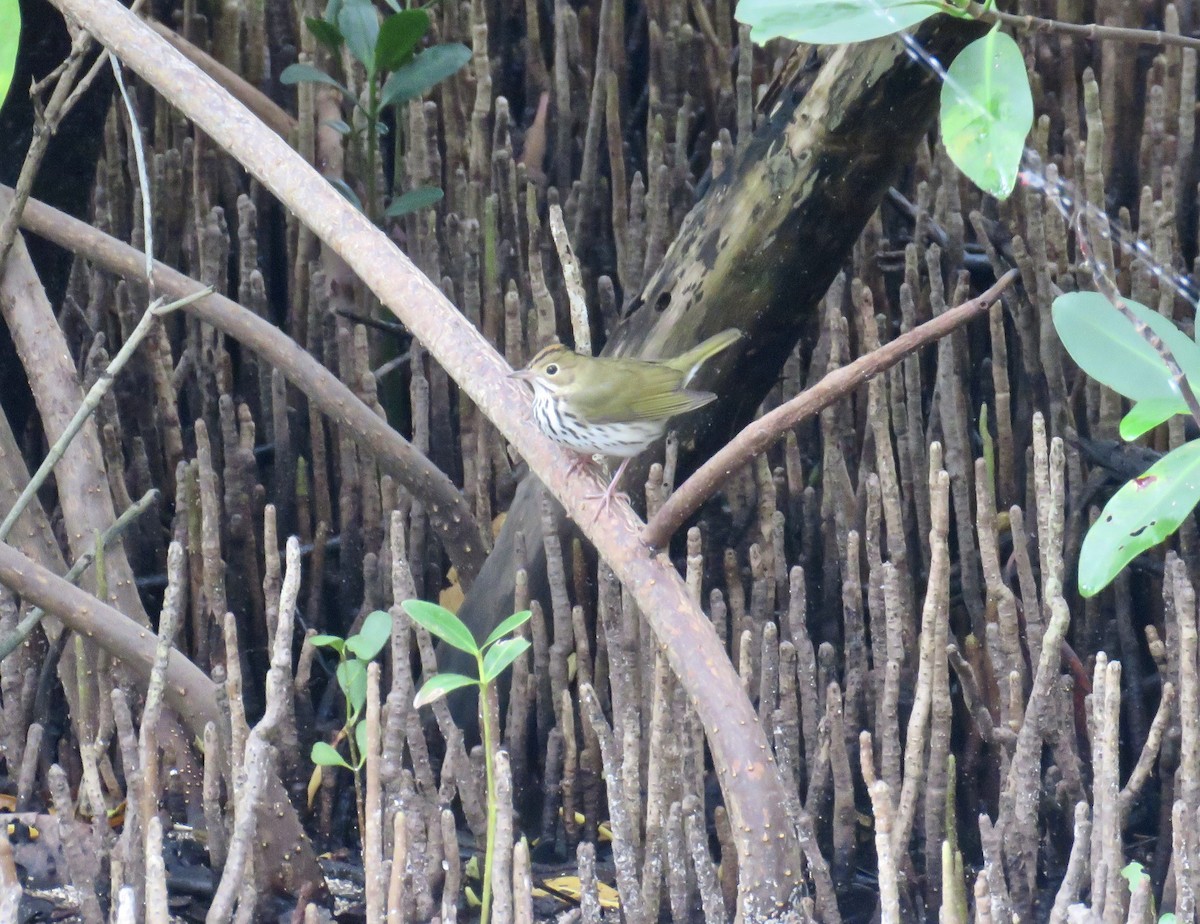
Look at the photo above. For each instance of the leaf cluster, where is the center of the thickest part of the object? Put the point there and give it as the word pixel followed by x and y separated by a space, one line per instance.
pixel 354 654
pixel 398 70
pixel 493 656
pixel 1149 508
pixel 986 102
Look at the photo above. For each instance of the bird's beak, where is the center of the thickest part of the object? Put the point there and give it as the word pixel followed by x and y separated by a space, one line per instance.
pixel 525 375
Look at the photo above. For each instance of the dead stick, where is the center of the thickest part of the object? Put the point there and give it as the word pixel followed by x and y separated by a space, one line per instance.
pixel 759 436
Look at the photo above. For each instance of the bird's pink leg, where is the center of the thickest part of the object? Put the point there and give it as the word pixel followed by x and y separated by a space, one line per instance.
pixel 580 463
pixel 610 494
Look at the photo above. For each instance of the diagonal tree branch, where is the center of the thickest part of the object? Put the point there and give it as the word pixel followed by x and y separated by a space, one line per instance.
pixel 759 436
pixel 768 852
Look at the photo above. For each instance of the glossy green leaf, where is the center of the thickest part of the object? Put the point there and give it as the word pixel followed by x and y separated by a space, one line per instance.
pixel 326 755
pixel 10 41
pixel 347 193
pixel 336 642
pixel 413 201
pixel 1140 515
pixel 439 621
pixel 339 126
pixel 1148 414
pixel 438 686
pixel 501 655
pixel 1108 348
pixel 324 32
pixel 398 36
pixel 831 22
pixel 376 630
pixel 515 621
pixel 360 742
pixel 1133 873
pixel 352 678
pixel 306 73
pixel 359 24
pixel 430 67
pixel 986 112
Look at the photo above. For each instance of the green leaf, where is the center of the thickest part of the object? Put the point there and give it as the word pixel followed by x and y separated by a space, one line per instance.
pixel 1140 515
pixel 339 126
pixel 501 655
pixel 439 621
pixel 413 201
pixel 831 22
pixel 1133 873
pixel 336 642
pixel 1148 414
pixel 987 110
pixel 347 193
pixel 352 678
pixel 396 7
pixel 306 73
pixel 398 36
pixel 326 755
pixel 1107 347
pixel 376 630
pixel 325 32
pixel 438 686
pixel 515 621
pixel 360 741
pixel 431 66
pixel 10 40
pixel 359 25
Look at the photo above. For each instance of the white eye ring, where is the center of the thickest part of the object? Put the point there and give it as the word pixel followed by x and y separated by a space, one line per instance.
pixel 552 369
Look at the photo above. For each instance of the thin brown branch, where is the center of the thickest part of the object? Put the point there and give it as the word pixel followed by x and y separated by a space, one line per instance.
pixel 274 116
pixel 759 436
pixel 768 853
pixel 1090 31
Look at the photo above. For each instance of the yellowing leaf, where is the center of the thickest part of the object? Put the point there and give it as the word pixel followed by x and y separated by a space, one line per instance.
pixel 572 888
pixel 314 785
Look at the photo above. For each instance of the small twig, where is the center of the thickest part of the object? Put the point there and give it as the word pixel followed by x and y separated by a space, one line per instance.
pixel 1083 30
pixel 107 538
pixel 764 432
pixel 90 402
pixel 580 325
pixel 139 153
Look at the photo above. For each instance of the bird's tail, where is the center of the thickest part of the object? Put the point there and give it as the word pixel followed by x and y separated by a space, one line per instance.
pixel 691 361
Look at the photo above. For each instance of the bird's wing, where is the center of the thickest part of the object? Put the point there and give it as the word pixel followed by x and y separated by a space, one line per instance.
pixel 656 397
pixel 660 407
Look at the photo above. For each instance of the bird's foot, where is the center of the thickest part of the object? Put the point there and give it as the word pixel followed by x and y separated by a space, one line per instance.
pixel 607 498
pixel 579 464
pixel 610 494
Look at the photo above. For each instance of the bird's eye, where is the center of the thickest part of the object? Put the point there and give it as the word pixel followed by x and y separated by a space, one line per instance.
pixel 552 369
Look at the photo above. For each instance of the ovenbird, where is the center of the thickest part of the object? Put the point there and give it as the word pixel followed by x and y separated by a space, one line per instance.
pixel 614 406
